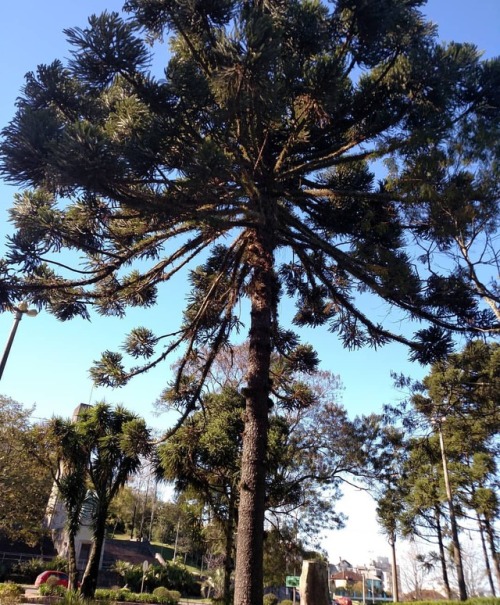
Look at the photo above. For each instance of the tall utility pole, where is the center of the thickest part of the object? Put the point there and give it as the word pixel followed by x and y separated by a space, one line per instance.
pixel 394 568
pixel 457 553
pixel 19 311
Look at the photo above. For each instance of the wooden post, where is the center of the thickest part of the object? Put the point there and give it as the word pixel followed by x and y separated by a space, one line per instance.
pixel 313 585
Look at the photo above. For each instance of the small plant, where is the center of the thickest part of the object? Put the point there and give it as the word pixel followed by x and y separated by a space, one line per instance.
pixel 72 598
pixel 270 599
pixel 10 593
pixel 51 588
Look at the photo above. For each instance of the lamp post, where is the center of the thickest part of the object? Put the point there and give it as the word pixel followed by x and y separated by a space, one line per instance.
pixel 457 553
pixel 394 568
pixel 20 310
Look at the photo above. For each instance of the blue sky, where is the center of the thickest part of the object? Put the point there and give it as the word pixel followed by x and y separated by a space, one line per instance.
pixel 49 361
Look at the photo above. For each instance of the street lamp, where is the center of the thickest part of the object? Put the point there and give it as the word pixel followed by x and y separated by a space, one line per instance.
pixel 394 568
pixel 20 310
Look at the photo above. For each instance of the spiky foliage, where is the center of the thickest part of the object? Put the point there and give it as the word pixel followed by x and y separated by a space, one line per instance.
pixel 258 145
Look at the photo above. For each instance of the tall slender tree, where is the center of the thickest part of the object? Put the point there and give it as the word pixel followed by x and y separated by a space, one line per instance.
pixel 56 446
pixel 458 400
pixel 112 443
pixel 254 146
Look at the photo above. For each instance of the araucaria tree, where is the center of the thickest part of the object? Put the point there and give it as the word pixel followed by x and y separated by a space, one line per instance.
pixel 254 147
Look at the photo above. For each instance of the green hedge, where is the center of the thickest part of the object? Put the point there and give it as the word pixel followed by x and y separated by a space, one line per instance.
pixel 471 601
pixel 10 593
pixel 163 597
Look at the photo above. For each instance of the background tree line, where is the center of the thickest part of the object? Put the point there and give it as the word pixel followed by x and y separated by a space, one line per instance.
pixel 314 447
pixel 445 477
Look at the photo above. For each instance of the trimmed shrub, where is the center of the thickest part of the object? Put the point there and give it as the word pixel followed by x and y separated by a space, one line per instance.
pixel 286 602
pixel 51 588
pixel 165 597
pixel 105 594
pixel 10 593
pixel 270 599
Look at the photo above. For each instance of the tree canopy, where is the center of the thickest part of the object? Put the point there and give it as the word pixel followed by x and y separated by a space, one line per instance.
pixel 451 437
pixel 258 152
pixel 21 517
pixel 90 459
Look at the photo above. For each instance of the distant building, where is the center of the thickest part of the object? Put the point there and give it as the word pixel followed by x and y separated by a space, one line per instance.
pixel 373 578
pixel 385 565
pixel 376 578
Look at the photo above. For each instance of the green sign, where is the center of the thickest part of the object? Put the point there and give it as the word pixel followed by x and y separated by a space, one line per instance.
pixel 292 581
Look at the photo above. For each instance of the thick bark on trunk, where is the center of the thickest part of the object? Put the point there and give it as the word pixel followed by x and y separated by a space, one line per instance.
pixel 442 554
pixel 89 582
pixel 249 576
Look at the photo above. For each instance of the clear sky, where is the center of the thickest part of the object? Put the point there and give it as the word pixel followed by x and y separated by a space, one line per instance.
pixel 49 361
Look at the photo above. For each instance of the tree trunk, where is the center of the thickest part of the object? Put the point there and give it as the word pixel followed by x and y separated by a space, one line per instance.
pixel 132 528
pixel 486 557
pixel 457 553
pixel 442 553
pixel 89 582
pixel 495 555
pixel 72 568
pixel 228 560
pixel 249 577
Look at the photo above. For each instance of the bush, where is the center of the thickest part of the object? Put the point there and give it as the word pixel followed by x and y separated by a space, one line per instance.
pixel 51 588
pixel 31 568
pixel 286 602
pixel 270 599
pixel 164 597
pixel 174 576
pixel 10 593
pixel 105 594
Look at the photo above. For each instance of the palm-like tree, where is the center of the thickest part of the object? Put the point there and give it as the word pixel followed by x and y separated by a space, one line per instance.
pixel 70 478
pixel 113 443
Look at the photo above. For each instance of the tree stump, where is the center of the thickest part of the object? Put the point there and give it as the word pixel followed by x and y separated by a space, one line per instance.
pixel 313 584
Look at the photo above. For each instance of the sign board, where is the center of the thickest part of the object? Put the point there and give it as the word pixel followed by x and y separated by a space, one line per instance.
pixel 292 581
